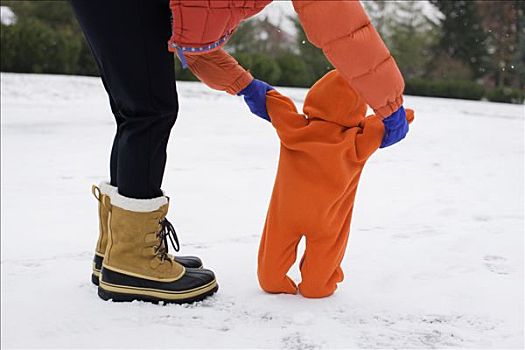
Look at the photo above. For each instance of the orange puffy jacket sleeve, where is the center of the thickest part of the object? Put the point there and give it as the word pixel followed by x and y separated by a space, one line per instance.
pixel 344 32
pixel 219 70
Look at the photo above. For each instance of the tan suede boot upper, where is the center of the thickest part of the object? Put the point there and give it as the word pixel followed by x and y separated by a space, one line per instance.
pixel 103 214
pixel 135 246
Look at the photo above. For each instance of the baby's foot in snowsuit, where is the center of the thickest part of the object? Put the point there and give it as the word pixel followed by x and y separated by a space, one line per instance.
pixel 323 152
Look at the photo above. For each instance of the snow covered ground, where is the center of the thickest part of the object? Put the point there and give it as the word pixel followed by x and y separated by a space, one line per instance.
pixel 435 258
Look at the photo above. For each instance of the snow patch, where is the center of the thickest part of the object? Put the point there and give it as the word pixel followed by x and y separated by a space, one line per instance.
pixel 434 260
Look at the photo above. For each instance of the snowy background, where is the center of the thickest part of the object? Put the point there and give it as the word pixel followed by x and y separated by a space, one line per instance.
pixel 435 258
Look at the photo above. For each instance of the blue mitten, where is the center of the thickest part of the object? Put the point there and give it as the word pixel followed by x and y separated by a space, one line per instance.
pixel 255 97
pixel 396 128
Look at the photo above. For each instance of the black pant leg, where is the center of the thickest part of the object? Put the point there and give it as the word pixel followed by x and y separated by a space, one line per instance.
pixel 129 40
pixel 113 162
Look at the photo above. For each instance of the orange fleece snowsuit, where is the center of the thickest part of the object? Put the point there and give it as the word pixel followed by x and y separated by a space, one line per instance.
pixel 322 155
pixel 342 29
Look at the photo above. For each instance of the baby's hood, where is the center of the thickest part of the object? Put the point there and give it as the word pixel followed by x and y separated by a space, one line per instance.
pixel 332 99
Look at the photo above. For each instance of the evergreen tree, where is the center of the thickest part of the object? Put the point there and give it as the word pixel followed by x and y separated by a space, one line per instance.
pixel 294 71
pixel 246 38
pixel 260 65
pixel 519 58
pixel 314 57
pixel 505 27
pixel 45 39
pixel 260 36
pixel 411 38
pixel 462 34
pixel 55 14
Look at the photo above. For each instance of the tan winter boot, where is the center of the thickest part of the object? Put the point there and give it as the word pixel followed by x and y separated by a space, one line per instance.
pixel 103 190
pixel 136 264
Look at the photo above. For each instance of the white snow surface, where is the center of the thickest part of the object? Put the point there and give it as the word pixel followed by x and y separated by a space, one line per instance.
pixel 435 258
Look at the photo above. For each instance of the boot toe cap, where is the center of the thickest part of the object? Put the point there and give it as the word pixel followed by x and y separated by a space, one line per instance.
pixel 195 278
pixel 189 261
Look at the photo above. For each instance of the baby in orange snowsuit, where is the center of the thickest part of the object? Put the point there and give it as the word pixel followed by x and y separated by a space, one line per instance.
pixel 323 152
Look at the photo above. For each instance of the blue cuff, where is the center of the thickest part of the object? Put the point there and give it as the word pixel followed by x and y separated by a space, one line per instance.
pixel 396 128
pixel 255 97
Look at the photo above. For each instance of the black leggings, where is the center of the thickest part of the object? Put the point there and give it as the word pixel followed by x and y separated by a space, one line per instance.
pixel 128 39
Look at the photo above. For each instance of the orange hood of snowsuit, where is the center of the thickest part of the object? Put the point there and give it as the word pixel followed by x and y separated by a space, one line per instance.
pixel 322 154
pixel 341 29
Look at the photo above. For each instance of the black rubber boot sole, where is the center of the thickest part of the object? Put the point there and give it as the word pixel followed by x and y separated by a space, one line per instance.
pixel 98 259
pixel 94 279
pixel 125 297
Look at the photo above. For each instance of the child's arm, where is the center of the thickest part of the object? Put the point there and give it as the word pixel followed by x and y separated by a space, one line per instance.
pixel 375 134
pixel 284 115
pixel 219 70
pixel 369 139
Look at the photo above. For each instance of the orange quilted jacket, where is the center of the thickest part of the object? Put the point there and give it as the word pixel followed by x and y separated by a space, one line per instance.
pixel 341 29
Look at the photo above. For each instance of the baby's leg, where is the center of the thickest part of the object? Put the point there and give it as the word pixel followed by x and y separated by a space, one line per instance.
pixel 277 253
pixel 320 265
pixel 278 249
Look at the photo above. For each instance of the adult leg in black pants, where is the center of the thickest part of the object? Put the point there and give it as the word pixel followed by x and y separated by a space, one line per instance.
pixel 129 42
pixel 128 39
